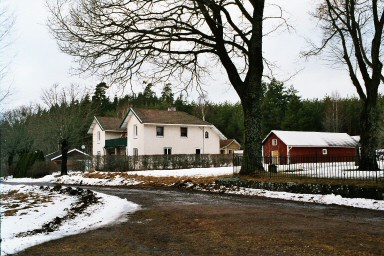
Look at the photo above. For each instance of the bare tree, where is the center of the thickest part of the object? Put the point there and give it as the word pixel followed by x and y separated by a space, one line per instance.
pixel 333 112
pixel 65 122
pixel 163 38
pixel 6 24
pixel 353 36
pixel 202 103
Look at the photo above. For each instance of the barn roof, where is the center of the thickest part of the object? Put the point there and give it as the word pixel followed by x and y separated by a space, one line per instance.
pixel 314 139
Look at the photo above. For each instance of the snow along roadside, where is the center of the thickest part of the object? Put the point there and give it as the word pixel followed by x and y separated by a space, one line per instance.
pixel 108 210
pixel 328 199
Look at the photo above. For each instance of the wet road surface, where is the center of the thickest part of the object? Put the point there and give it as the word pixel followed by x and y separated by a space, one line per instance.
pixel 174 222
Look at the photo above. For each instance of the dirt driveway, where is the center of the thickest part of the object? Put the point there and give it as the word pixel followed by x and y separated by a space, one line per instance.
pixel 173 222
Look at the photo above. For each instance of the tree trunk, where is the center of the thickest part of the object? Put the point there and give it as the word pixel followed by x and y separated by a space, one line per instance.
pixel 368 136
pixel 64 156
pixel 252 158
pixel 10 158
pixel 250 95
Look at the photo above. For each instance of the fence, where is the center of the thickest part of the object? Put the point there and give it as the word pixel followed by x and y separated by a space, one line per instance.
pixel 329 167
pixel 155 162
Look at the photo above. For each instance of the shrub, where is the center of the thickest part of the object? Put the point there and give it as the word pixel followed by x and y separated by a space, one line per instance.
pixel 25 163
pixel 42 168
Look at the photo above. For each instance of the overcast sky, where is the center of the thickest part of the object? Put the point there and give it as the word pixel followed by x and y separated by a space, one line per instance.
pixel 38 64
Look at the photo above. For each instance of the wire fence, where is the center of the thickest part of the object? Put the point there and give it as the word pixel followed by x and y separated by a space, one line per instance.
pixel 324 167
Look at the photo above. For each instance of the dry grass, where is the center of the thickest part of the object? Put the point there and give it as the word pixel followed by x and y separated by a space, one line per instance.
pixel 15 201
pixel 167 181
pixel 149 180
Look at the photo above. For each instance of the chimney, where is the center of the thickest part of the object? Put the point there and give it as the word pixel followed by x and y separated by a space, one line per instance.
pixel 172 109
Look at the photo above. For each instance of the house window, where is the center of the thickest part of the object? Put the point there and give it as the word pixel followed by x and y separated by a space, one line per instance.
pixel 98 136
pixel 183 131
pixel 159 131
pixel 274 142
pixel 198 151
pixel 135 151
pixel 325 151
pixel 99 153
pixel 206 135
pixel 167 151
pixel 135 131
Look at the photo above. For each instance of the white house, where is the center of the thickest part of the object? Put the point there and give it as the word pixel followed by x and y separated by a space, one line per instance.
pixel 155 132
pixel 106 130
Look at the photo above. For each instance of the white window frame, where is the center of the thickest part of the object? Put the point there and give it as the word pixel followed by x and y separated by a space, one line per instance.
pixel 98 136
pixel 167 151
pixel 274 142
pixel 160 136
pixel 181 135
pixel 135 131
pixel 325 151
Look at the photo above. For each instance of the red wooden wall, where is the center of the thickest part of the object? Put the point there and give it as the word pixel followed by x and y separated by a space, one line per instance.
pixel 306 154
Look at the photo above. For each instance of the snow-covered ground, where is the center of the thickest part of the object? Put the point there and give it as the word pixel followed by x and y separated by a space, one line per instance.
pixel 34 207
pixel 336 170
pixel 311 198
pixel 101 214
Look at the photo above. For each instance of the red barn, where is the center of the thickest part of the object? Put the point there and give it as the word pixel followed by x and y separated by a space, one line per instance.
pixel 288 147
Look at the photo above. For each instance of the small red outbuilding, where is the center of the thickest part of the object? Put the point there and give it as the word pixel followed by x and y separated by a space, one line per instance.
pixel 288 147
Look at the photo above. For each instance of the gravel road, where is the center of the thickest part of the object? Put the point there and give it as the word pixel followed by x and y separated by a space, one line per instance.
pixel 174 222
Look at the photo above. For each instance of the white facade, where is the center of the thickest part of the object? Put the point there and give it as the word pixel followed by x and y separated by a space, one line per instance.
pixel 157 138
pixel 98 139
pixel 99 136
pixel 200 139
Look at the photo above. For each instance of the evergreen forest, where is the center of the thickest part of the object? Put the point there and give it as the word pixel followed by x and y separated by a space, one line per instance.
pixel 28 132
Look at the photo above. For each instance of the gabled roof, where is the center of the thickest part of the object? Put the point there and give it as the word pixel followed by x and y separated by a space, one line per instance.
pixel 314 139
pixel 106 124
pixel 227 143
pixel 166 117
pixel 154 116
pixel 356 138
pixel 57 155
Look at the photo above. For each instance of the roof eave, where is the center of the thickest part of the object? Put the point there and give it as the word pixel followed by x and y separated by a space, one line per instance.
pixel 126 115
pixel 81 152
